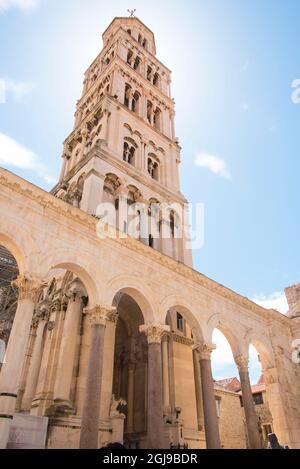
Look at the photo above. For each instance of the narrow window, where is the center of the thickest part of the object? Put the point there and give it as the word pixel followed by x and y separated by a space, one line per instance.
pixel 151 241
pixel 172 224
pixel 129 57
pixel 137 64
pixel 180 322
pixel 136 102
pixel 156 80
pixel 127 95
pixel 149 73
pixel 128 154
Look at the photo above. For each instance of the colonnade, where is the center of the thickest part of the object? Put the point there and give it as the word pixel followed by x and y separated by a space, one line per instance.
pixel 158 380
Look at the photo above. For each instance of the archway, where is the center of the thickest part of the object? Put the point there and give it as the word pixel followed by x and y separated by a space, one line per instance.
pixel 9 271
pixel 130 373
pixel 182 377
pixel 55 367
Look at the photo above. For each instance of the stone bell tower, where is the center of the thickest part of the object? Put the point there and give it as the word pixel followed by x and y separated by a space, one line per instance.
pixel 123 144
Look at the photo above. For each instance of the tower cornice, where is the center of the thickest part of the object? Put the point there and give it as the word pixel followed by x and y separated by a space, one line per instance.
pixel 118 164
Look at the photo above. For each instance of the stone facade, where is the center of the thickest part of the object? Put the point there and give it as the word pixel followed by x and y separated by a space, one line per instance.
pixel 94 302
pixel 231 419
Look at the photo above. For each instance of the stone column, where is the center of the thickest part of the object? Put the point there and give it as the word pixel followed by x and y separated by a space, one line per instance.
pixel 130 399
pixel 15 355
pixel 155 437
pixel 91 408
pixel 250 414
pixel 122 213
pixel 198 387
pixel 63 169
pixel 209 404
pixel 166 377
pixel 84 135
pixel 144 222
pixel 35 362
pixel 172 119
pixel 66 361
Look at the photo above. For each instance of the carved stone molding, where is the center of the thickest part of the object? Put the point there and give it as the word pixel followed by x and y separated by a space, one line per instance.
pixel 242 363
pixel 99 315
pixel 204 350
pixel 154 332
pixel 42 313
pixel 29 287
pixel 181 339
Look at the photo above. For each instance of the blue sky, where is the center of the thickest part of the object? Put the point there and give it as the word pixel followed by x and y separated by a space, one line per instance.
pixel 233 67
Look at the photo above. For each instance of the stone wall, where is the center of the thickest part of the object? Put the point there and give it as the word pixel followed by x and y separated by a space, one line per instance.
pixel 231 421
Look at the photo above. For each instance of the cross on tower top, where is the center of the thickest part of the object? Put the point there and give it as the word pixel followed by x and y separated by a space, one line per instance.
pixel 131 13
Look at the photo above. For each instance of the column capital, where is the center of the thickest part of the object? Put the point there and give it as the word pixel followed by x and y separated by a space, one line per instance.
pixel 205 350
pixel 242 362
pixel 76 290
pixel 99 315
pixel 29 287
pixel 154 332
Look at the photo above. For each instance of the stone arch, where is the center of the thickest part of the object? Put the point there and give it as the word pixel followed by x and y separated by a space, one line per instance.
pixel 134 194
pixel 20 245
pixel 263 347
pixel 111 184
pixel 79 263
pixel 137 290
pixel 185 308
pixel 230 331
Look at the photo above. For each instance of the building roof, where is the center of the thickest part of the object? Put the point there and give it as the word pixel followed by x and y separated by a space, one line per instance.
pixel 234 385
pixel 230 384
pixel 128 18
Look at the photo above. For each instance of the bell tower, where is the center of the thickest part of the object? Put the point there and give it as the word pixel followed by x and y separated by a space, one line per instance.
pixel 123 143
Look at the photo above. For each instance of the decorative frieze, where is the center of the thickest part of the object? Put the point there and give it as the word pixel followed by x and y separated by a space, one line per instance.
pixel 181 339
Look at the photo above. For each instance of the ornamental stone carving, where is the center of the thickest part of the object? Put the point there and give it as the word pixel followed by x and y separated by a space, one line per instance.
pixel 242 362
pixel 29 287
pixel 99 315
pixel 154 333
pixel 204 350
pixel 76 290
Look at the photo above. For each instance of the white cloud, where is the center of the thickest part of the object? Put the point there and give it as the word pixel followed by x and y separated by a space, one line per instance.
pixel 276 301
pixel 17 89
pixel 23 5
pixel 222 356
pixel 214 164
pixel 15 155
pixel 223 364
